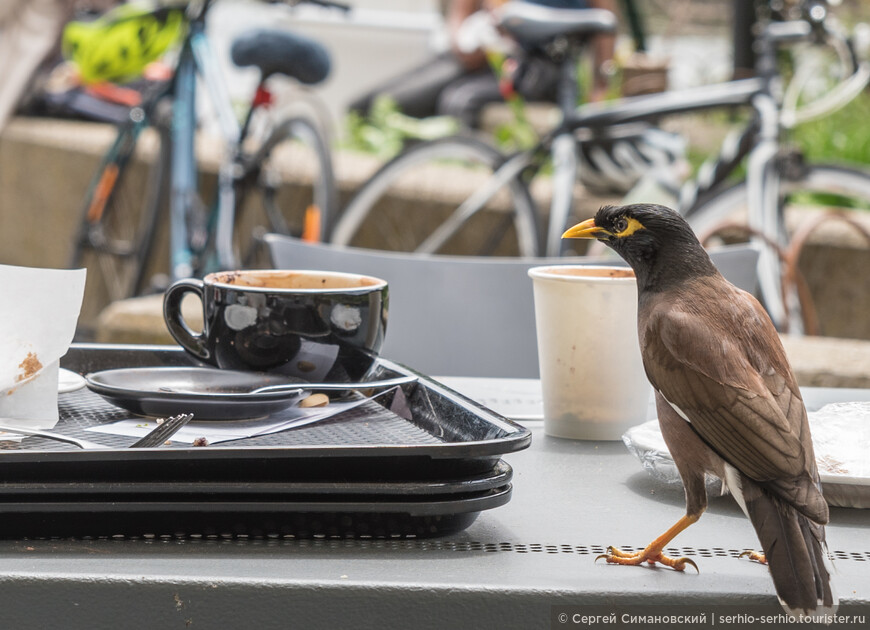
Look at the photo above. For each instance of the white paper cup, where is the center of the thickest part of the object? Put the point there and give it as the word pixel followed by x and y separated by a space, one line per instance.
pixel 592 378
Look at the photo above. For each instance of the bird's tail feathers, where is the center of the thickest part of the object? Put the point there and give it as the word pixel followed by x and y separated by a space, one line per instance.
pixel 796 553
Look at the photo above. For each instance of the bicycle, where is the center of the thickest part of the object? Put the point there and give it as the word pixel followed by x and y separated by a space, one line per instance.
pixel 122 210
pixel 503 182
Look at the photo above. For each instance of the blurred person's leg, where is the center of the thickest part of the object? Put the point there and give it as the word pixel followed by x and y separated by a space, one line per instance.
pixel 416 91
pixel 29 30
pixel 745 17
pixel 536 81
pixel 465 98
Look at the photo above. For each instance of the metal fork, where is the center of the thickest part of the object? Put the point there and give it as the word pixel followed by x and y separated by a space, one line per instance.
pixel 156 437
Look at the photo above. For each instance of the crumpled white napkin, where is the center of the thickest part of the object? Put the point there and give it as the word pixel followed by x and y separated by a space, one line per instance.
pixel 37 324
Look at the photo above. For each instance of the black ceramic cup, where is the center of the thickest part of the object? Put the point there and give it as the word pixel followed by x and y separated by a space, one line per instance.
pixel 318 325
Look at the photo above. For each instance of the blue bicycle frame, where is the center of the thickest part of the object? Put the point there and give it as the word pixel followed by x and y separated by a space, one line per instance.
pixel 191 232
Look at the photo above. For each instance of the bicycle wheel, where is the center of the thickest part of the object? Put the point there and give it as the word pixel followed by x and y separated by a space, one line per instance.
pixel 452 195
pixel 292 176
pixel 119 218
pixel 816 187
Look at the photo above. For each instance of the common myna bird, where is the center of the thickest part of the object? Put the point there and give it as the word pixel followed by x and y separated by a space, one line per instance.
pixel 727 401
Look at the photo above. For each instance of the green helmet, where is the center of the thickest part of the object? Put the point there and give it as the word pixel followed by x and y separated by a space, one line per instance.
pixel 118 45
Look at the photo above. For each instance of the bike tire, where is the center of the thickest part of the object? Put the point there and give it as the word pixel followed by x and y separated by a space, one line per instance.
pixel 294 155
pixel 403 204
pixel 833 179
pixel 822 186
pixel 119 218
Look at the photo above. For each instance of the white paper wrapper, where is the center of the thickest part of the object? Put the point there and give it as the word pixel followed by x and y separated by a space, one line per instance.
pixel 841 440
pixel 37 324
pixel 223 431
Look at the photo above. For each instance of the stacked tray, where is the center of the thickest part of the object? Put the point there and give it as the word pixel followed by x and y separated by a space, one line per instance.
pixel 423 461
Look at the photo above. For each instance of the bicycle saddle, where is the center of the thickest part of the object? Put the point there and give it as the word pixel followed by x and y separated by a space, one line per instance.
pixel 532 24
pixel 281 52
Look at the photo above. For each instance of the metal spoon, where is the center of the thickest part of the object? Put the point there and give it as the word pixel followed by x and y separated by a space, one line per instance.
pixel 389 382
pixel 298 387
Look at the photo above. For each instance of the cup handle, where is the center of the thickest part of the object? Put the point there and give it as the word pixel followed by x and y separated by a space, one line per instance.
pixel 193 342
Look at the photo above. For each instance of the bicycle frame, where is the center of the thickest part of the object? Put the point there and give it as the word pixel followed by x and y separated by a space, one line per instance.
pixel 760 141
pixel 581 123
pixel 770 168
pixel 114 161
pixel 102 187
pixel 186 235
pixel 587 121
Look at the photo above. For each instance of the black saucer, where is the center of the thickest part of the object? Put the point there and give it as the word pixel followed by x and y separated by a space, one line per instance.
pixel 209 394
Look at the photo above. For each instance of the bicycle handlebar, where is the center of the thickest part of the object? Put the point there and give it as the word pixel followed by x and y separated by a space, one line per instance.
pixel 842 94
pixel 196 9
pixel 856 73
pixel 329 4
pixel 788 32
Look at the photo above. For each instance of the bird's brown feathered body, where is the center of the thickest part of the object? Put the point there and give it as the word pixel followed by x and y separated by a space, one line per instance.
pixel 724 368
pixel 727 400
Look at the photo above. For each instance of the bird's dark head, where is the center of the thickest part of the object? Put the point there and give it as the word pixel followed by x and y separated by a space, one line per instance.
pixel 656 241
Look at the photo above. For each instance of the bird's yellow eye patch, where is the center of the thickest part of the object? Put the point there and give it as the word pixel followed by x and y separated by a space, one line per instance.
pixel 626 226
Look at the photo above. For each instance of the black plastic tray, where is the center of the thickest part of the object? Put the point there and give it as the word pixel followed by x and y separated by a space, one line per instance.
pixel 378 517
pixel 420 462
pixel 429 432
pixel 240 488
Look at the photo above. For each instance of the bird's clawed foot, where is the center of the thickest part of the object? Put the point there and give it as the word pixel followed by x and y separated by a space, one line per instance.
pixel 754 555
pixel 650 555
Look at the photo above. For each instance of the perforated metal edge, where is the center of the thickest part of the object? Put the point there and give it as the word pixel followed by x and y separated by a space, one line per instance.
pixel 410 543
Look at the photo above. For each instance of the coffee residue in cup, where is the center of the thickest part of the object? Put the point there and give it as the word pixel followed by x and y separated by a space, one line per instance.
pixel 593 272
pixel 290 280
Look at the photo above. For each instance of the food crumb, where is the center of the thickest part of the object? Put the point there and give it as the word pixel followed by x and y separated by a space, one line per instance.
pixel 315 400
pixel 305 366
pixel 29 367
pixel 200 441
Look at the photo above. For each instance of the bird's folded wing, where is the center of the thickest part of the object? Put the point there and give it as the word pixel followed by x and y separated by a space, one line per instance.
pixel 742 408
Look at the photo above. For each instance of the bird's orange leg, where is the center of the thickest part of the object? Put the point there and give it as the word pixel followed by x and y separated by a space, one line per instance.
pixel 653 552
pixel 758 556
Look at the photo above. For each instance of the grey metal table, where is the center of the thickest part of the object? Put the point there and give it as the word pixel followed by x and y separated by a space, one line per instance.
pixel 509 569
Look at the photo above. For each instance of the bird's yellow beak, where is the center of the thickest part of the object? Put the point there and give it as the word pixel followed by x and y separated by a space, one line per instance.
pixel 586 229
